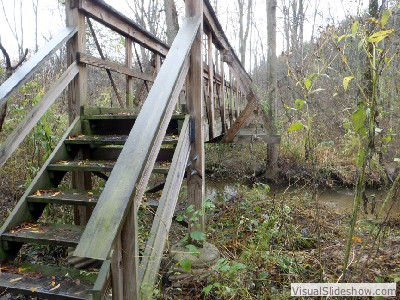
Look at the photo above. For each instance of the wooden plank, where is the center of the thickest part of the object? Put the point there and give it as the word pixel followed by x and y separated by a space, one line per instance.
pixel 117 271
pixel 23 73
pixel 111 18
pixel 194 94
pixel 243 118
pixel 103 281
pixel 64 197
pixel 223 96
pixel 96 166
pixel 210 102
pixel 36 281
pixel 144 141
pixel 105 140
pixel 101 63
pixel 129 79
pixel 45 234
pixel 21 213
pixel 163 217
pixel 18 135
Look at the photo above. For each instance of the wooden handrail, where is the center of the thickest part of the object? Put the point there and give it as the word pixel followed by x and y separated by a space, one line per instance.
pixel 113 19
pixel 163 217
pixel 28 68
pixel 33 116
pixel 132 170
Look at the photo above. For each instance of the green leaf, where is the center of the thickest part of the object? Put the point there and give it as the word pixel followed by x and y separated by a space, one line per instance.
pixel 380 35
pixel 384 19
pixel 197 236
pixel 295 127
pixel 342 37
pixel 346 81
pixel 206 290
pixel 396 159
pixel 354 28
pixel 186 264
pixel 299 103
pixel 308 83
pixel 193 249
pixel 179 218
pixel 358 118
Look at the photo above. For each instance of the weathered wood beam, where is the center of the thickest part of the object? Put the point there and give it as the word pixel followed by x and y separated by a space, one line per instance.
pixel 194 100
pixel 97 62
pixel 8 147
pixel 244 117
pixel 210 102
pixel 222 95
pixel 129 79
pixel 103 281
pixel 163 217
pixel 111 18
pixel 96 41
pixel 143 143
pixel 24 72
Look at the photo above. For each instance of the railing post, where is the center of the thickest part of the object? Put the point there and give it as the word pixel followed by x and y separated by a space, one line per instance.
pixel 77 94
pixel 129 79
pixel 210 102
pixel 194 87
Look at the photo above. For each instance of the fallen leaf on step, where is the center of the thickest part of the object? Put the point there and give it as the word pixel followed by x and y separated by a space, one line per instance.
pixel 16 279
pixel 56 194
pixel 34 289
pixel 54 288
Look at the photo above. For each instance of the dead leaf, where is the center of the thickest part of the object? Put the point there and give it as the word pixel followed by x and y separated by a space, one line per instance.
pixel 34 289
pixel 357 239
pixel 54 288
pixel 16 279
pixel 56 194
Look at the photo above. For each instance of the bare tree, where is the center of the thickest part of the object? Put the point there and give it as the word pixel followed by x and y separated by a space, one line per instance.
pixel 272 151
pixel 9 70
pixel 244 26
pixel 171 18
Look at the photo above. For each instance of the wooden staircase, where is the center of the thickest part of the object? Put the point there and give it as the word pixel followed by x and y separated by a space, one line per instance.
pixel 91 145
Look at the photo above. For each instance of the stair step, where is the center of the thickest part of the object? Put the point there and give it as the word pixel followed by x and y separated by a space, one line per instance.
pixel 104 140
pixel 45 234
pixel 45 281
pixel 98 166
pixel 66 197
pixel 76 197
pixel 123 116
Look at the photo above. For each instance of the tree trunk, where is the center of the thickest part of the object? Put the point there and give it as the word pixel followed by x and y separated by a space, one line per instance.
pixel 244 28
pixel 272 151
pixel 171 17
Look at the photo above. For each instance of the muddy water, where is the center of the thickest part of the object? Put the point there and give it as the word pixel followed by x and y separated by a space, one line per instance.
pixel 339 199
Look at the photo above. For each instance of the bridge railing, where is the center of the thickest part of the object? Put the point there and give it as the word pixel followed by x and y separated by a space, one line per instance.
pixel 21 76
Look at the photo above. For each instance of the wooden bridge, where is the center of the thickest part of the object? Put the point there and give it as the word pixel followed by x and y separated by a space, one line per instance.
pixel 124 147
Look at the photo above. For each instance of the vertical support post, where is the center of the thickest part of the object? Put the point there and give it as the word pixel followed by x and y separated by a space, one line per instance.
pixel 231 102
pixel 194 92
pixel 158 62
pixel 130 254
pixel 222 95
pixel 117 271
pixel 237 99
pixel 211 114
pixel 129 79
pixel 77 95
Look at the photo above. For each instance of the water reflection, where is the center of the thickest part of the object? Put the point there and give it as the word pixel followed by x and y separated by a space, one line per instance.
pixel 339 199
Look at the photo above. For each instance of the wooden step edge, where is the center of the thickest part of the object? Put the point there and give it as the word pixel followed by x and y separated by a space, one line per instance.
pixel 122 116
pixel 66 197
pixel 48 282
pixel 98 166
pixel 44 234
pixel 110 140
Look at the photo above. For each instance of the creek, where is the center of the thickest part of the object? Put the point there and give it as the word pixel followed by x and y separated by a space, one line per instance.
pixel 340 199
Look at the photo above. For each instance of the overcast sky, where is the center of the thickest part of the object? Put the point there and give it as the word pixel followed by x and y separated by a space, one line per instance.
pixel 51 19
